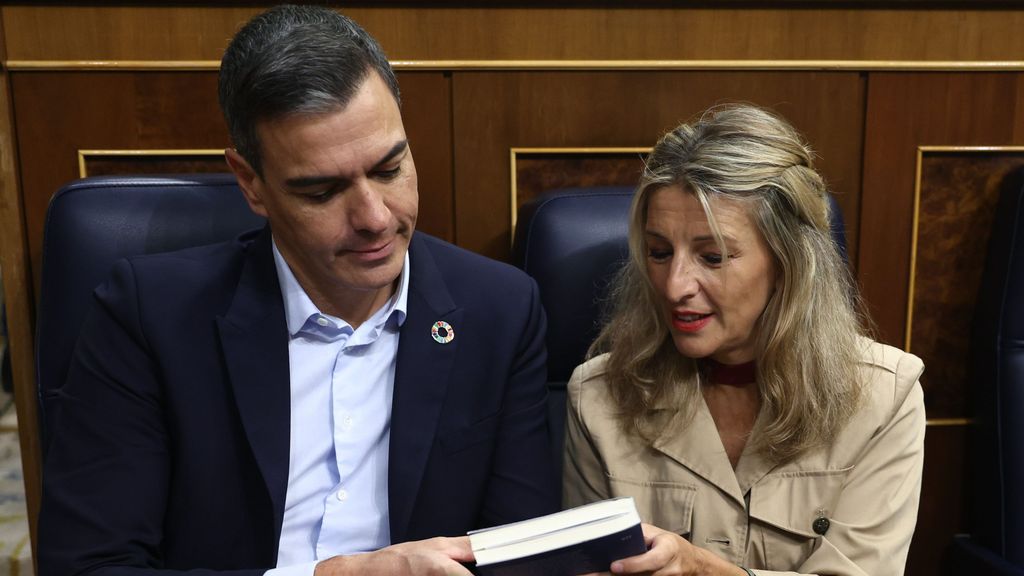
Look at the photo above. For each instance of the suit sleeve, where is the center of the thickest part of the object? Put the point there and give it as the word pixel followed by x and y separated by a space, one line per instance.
pixel 522 483
pixel 583 477
pixel 873 521
pixel 107 470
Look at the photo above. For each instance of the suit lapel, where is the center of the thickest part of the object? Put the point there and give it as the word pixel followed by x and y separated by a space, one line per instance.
pixel 254 337
pixel 421 381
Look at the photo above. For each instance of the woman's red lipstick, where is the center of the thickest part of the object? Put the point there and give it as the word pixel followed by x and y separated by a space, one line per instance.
pixel 689 321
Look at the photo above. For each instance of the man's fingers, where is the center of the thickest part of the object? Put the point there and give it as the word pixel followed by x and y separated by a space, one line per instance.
pixel 458 549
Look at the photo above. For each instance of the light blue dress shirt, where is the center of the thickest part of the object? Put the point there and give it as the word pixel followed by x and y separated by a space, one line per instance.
pixel 341 387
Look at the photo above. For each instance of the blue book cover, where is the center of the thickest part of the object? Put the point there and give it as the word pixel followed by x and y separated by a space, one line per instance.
pixel 577 541
pixel 591 556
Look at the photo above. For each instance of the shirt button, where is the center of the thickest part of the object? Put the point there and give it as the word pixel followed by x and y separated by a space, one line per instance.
pixel 322 321
pixel 347 423
pixel 342 495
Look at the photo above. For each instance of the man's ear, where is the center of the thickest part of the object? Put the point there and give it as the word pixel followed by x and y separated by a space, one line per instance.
pixel 248 180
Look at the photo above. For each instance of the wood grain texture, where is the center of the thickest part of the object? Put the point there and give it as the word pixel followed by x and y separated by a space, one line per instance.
pixel 178 110
pixel 416 32
pixel 17 286
pixel 944 500
pixel 958 196
pixel 104 111
pixel 494 112
pixel 904 111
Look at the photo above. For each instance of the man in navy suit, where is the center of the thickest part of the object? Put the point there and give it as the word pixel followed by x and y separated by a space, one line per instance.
pixel 334 394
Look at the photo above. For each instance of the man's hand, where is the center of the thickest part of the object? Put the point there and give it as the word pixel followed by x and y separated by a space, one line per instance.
pixel 434 557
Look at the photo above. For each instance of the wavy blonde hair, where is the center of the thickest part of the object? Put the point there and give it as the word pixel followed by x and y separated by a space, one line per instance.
pixel 808 337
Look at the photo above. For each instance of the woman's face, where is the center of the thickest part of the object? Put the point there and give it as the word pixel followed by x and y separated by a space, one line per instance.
pixel 711 301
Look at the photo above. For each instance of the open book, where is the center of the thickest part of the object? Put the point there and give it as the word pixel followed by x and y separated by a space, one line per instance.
pixel 577 541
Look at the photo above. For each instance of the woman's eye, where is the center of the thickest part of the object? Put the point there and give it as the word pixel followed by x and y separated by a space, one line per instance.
pixel 659 255
pixel 712 258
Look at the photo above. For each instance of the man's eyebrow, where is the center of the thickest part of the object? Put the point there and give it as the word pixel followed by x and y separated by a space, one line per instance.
pixel 308 181
pixel 397 149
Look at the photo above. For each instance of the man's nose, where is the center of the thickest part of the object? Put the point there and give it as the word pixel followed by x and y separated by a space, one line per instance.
pixel 368 212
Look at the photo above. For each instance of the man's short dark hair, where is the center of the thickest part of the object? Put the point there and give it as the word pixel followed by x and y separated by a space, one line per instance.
pixel 294 60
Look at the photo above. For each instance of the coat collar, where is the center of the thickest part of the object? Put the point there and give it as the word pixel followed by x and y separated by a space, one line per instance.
pixel 692 439
pixel 254 336
pixel 421 383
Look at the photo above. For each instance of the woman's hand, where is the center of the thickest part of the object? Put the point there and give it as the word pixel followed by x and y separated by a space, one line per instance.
pixel 668 554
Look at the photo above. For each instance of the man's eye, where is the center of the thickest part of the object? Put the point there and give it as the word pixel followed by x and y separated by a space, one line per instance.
pixel 320 197
pixel 389 174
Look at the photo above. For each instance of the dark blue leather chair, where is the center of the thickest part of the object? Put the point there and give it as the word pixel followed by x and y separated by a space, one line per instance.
pixel 996 542
pixel 92 223
pixel 573 242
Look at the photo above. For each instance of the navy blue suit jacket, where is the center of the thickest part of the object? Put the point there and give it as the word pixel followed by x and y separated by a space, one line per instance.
pixel 171 436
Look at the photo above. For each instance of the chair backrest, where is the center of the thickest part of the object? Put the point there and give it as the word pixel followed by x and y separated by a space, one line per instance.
pixel 92 223
pixel 997 367
pixel 573 242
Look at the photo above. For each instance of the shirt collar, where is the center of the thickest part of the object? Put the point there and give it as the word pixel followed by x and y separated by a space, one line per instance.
pixel 298 308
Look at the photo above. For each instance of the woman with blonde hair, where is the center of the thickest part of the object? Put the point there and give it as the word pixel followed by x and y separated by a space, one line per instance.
pixel 734 392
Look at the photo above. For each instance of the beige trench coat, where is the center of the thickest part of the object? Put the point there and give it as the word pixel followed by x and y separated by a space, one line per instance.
pixel 866 484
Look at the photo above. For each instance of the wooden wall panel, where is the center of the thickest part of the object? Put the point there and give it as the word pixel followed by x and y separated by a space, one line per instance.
pixel 944 500
pixel 958 193
pixel 559 32
pixel 17 288
pixel 904 111
pixel 494 112
pixel 60 113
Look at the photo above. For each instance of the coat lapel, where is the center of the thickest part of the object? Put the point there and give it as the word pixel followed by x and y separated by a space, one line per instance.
pixel 254 337
pixel 421 381
pixel 695 443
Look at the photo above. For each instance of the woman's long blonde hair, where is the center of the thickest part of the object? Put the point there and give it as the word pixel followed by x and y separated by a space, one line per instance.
pixel 808 337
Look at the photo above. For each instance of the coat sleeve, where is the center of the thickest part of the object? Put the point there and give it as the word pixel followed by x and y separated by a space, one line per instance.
pixel 583 477
pixel 107 470
pixel 522 482
pixel 873 521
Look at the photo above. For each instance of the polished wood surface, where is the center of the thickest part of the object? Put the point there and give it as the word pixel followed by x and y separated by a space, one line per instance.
pixel 104 111
pixel 958 193
pixel 178 110
pixel 415 32
pixel 905 111
pixel 494 112
pixel 944 500
pixel 17 287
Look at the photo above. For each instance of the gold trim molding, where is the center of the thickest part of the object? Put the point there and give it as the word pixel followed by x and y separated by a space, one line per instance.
pixel 83 155
pixel 568 65
pixel 948 422
pixel 921 151
pixel 515 152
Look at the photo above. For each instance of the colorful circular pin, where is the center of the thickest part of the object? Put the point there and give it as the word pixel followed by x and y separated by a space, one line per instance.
pixel 442 332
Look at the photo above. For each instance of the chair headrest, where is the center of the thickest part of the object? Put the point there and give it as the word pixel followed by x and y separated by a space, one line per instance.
pixel 93 222
pixel 572 242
